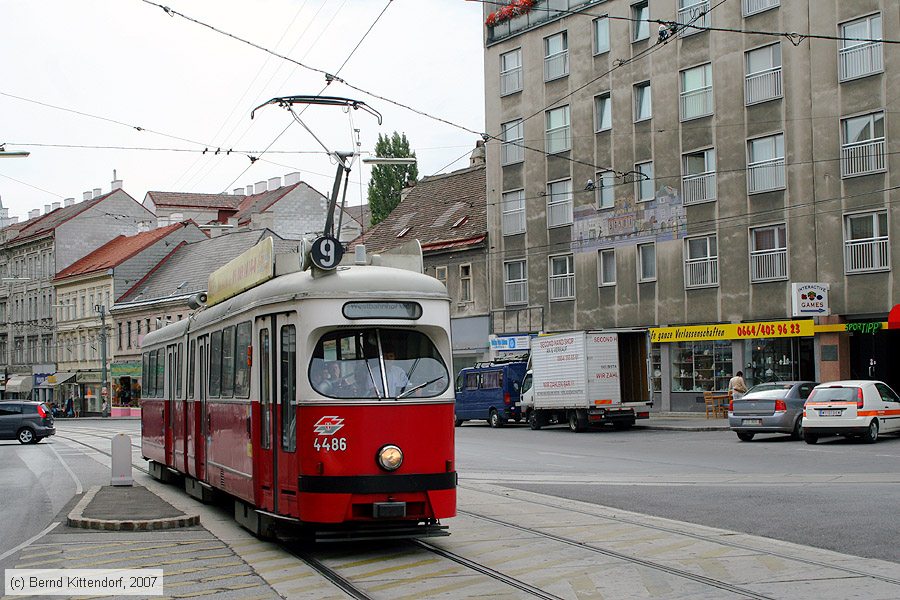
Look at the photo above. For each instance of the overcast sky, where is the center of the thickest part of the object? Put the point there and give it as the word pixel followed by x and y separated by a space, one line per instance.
pixel 189 88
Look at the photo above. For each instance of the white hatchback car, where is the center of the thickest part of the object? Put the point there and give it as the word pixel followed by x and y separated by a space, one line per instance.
pixel 851 408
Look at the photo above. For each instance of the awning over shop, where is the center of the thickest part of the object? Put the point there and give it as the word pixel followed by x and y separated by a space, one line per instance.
pixel 58 378
pixel 19 384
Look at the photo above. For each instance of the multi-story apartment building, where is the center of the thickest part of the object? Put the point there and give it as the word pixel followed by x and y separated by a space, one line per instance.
pixel 723 199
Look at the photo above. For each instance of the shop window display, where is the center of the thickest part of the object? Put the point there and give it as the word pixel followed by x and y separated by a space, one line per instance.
pixel 778 359
pixel 655 368
pixel 701 366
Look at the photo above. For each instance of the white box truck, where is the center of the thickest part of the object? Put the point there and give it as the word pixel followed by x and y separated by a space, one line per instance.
pixel 575 380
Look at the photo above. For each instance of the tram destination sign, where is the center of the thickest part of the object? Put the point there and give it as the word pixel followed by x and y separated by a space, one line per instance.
pixel 382 310
pixel 733 331
pixel 245 271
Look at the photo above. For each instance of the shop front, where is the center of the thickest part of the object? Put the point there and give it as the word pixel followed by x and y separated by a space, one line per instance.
pixel 125 378
pixel 689 360
pixel 89 384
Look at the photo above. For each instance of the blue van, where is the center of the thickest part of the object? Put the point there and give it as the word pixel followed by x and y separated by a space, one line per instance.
pixel 489 391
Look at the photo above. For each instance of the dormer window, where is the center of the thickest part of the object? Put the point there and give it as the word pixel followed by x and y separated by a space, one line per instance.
pixel 403 232
pixel 459 222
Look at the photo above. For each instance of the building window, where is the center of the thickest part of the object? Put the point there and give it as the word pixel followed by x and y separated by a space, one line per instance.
pixel 768 253
pixel 856 56
pixel 646 262
pixel 696 92
pixel 692 12
pixel 645 186
pixel 640 21
pixel 701 366
pixel 701 262
pixel 562 277
pixel 513 220
pixel 511 72
pixel 559 136
pixel 440 273
pixel 862 145
pixel 765 163
pixel 603 112
pixel 559 203
pixel 866 246
pixel 606 191
pixel 128 327
pixel 762 68
pixel 699 178
pixel 608 267
pixel 751 7
pixel 465 283
pixel 513 136
pixel 642 102
pixel 119 336
pixel 556 56
pixel 601 35
pixel 515 282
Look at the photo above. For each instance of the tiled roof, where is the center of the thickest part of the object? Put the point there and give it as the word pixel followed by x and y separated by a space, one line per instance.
pixel 209 201
pixel 118 250
pixel 187 269
pixel 441 209
pixel 50 221
pixel 258 203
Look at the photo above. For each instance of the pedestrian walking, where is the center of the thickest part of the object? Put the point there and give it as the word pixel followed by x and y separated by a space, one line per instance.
pixel 737 387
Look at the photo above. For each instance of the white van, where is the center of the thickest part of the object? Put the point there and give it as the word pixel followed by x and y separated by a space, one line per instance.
pixel 851 408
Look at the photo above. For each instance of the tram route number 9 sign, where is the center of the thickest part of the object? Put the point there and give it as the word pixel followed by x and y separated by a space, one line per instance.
pixel 326 252
pixel 325 428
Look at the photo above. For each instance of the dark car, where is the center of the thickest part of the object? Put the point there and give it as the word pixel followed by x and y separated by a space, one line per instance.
pixel 489 391
pixel 28 422
pixel 775 407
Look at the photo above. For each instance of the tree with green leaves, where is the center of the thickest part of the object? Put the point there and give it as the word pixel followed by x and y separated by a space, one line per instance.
pixel 389 180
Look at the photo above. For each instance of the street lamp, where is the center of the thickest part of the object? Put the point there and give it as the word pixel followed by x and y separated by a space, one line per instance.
pixel 5 154
pixel 388 160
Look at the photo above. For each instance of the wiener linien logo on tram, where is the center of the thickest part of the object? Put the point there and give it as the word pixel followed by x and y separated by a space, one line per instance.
pixel 328 425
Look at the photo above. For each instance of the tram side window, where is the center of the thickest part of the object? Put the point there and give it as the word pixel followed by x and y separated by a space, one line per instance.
pixel 243 340
pixel 288 388
pixel 192 354
pixel 160 371
pixel 178 367
pixel 228 362
pixel 215 363
pixel 145 374
pixel 264 389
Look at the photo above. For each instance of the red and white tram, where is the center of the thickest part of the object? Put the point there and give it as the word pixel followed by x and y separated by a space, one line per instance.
pixel 321 398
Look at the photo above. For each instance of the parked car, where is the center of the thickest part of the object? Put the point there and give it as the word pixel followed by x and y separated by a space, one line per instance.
pixel 858 408
pixel 489 391
pixel 775 407
pixel 28 422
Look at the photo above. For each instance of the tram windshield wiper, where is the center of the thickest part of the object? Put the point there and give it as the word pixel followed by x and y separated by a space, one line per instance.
pixel 420 386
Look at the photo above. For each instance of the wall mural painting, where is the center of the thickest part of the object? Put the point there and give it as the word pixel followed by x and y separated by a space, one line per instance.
pixel 629 223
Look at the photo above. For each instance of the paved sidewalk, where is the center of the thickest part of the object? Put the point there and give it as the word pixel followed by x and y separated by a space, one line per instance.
pixel 682 422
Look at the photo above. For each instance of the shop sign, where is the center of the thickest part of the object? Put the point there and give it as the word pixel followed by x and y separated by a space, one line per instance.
pixel 247 270
pixel 810 299
pixel 858 327
pixel 125 368
pixel 512 343
pixel 732 331
pixel 88 377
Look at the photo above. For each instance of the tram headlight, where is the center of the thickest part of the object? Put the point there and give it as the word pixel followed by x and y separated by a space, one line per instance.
pixel 390 457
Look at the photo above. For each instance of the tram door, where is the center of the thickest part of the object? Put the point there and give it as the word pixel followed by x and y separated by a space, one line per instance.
pixel 265 461
pixel 201 423
pixel 171 438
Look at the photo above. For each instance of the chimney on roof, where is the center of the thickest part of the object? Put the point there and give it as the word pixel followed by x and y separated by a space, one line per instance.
pixel 260 187
pixel 274 183
pixel 292 178
pixel 34 213
pixel 46 208
pixel 56 205
pixel 116 183
pixel 238 191
pixel 476 159
pixel 97 192
pixel 68 201
pixel 86 195
pixel 249 190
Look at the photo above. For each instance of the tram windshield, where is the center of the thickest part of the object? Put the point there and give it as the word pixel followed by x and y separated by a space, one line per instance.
pixel 372 362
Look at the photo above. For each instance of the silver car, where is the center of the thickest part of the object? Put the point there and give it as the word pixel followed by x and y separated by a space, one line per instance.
pixel 775 407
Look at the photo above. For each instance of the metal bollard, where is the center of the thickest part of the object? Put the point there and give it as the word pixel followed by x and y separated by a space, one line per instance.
pixel 121 460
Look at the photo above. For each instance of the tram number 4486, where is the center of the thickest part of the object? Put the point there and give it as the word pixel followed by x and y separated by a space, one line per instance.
pixel 330 444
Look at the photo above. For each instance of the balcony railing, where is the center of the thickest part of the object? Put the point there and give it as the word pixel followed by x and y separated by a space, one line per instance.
pixel 765 175
pixel 866 255
pixel 511 152
pixel 559 140
pixel 511 81
pixel 701 272
pixel 762 86
pixel 751 7
pixel 766 265
pixel 559 213
pixel 699 188
pixel 514 222
pixel 688 14
pixel 860 60
pixel 516 292
pixel 862 158
pixel 556 66
pixel 696 103
pixel 562 287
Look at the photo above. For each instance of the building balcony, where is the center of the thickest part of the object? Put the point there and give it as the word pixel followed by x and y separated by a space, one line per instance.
pixel 862 256
pixel 862 158
pixel 559 214
pixel 751 7
pixel 765 176
pixel 511 153
pixel 699 188
pixel 514 222
pixel 763 86
pixel 860 60
pixel 562 287
pixel 515 293
pixel 511 82
pixel 696 103
pixel 696 14
pixel 701 272
pixel 768 265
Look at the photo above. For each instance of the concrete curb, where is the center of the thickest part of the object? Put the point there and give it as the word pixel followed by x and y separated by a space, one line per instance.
pixel 75 519
pixel 685 427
